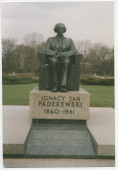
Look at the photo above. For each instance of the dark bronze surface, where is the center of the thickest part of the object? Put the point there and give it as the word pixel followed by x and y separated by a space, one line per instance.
pixel 60 53
pixel 60 139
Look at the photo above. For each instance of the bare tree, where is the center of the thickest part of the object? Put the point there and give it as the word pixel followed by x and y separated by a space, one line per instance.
pixel 98 55
pixel 84 47
pixel 33 40
pixel 101 51
pixel 8 54
pixel 33 44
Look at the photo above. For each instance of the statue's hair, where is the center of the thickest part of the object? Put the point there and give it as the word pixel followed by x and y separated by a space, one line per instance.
pixel 59 25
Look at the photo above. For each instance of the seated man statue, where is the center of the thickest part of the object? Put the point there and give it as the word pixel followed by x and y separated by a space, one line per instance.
pixel 58 51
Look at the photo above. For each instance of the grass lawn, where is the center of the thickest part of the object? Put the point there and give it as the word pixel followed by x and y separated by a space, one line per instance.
pixel 19 94
pixel 100 95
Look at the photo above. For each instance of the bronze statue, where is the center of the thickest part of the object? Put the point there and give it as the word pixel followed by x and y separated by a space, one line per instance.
pixel 59 51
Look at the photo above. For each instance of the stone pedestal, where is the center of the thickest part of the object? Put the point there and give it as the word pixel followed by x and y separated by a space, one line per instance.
pixel 59 121
pixel 72 105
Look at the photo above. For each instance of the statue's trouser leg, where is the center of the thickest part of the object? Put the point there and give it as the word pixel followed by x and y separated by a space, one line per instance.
pixel 52 72
pixel 66 64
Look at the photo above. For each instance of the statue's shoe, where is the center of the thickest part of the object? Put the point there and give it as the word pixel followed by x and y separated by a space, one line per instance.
pixel 54 89
pixel 63 89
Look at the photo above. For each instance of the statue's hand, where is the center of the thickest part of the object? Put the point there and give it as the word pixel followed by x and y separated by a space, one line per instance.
pixel 59 55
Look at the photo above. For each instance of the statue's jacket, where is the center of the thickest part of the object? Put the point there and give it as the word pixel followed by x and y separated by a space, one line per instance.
pixel 63 45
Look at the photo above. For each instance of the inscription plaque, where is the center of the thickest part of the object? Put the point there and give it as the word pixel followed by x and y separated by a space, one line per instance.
pixel 60 140
pixel 47 105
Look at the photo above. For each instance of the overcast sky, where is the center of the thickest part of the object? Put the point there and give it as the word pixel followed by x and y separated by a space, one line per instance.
pixel 84 20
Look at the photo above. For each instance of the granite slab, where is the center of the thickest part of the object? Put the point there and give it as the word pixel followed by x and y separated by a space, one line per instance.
pixel 16 126
pixel 102 128
pixel 57 163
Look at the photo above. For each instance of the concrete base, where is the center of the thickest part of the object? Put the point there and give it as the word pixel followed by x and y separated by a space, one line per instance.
pixel 54 163
pixel 16 126
pixel 73 105
pixel 102 128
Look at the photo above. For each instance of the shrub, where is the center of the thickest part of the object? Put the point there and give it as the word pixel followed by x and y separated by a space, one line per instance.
pixel 97 81
pixel 6 79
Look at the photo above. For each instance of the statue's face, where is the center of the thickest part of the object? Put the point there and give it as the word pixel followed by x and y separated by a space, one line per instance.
pixel 60 30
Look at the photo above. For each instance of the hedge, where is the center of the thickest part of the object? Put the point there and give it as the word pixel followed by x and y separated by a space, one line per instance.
pixel 97 81
pixel 6 79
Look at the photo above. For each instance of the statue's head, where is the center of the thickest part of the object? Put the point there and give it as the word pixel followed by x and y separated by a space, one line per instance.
pixel 58 27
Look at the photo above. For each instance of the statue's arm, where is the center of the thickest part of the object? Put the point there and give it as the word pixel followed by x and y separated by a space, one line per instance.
pixel 72 50
pixel 47 49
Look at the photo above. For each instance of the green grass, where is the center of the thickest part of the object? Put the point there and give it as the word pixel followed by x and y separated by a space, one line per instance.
pixel 100 95
pixel 19 94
